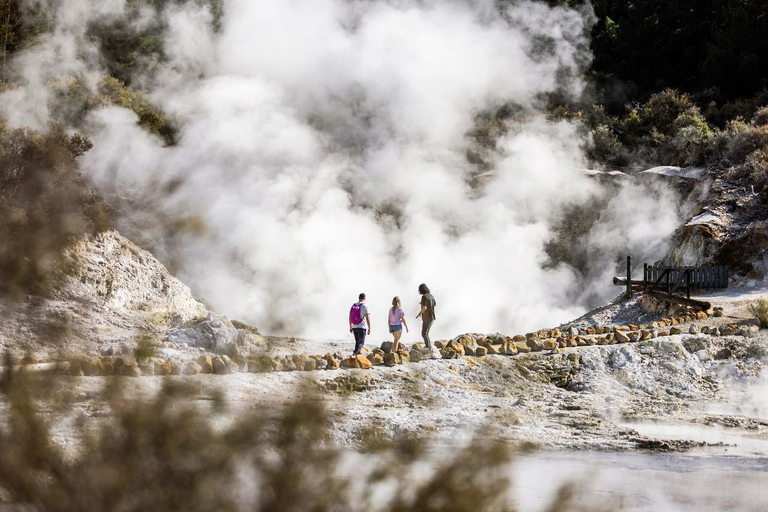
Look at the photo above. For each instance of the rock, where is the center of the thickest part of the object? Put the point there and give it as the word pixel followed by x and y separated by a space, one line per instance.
pixel 333 363
pixel 108 367
pixel 322 364
pixel 206 363
pixel 241 362
pixel 508 348
pixel 405 357
pixel 646 335
pixel 749 331
pixel 147 369
pixel 620 336
pixel 219 367
pixel 520 337
pixel 634 336
pixel 723 353
pixel 119 365
pixel 491 349
pixel 705 329
pixel 376 359
pixel 715 332
pixel 549 344
pixel 717 312
pixel 417 347
pixel 363 362
pixel 522 348
pixel 176 368
pixel 469 344
pixel 534 345
pixel 702 355
pixel 391 359
pixel 162 368
pixel 675 330
pixel 310 364
pixel 192 368
pixel 693 329
pixel 481 351
pixel 728 330
pixel 701 315
pixel 131 370
pixel 387 346
pixel 232 367
pixel 617 328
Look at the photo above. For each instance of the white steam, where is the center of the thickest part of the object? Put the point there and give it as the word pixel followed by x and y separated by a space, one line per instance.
pixel 324 145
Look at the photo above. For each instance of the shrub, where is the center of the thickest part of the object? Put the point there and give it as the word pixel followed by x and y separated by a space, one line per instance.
pixel 44 205
pixel 172 453
pixel 759 308
pixel 761 117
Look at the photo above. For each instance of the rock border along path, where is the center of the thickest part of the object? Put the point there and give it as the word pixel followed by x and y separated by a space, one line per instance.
pixel 470 344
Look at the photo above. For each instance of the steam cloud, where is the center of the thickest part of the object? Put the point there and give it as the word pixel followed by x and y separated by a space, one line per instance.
pixel 324 145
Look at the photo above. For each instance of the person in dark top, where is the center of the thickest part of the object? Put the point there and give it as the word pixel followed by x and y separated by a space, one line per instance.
pixel 427 313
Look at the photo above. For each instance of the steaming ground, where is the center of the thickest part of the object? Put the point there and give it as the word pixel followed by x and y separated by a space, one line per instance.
pixel 323 151
pixel 647 425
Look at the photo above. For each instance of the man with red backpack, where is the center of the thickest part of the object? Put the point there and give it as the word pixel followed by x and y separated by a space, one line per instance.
pixel 358 318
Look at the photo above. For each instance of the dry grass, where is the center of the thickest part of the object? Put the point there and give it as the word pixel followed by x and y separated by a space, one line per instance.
pixel 759 308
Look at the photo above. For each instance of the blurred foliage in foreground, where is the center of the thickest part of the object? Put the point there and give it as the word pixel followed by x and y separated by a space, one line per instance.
pixel 168 453
pixel 44 205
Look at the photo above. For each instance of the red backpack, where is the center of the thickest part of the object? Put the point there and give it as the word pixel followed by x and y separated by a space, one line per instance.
pixel 354 314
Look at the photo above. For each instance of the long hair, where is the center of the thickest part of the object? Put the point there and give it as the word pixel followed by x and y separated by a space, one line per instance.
pixel 395 303
pixel 423 289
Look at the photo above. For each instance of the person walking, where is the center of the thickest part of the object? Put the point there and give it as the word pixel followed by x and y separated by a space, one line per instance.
pixel 396 322
pixel 359 322
pixel 427 313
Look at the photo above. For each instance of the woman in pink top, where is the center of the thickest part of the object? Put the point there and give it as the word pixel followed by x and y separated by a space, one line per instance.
pixel 396 322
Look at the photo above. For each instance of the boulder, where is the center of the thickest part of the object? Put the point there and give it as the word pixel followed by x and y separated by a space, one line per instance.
pixel 481 351
pixel 518 337
pixel 508 348
pixel 176 368
pixel 333 363
pixel 417 347
pixel 492 349
pixel 549 344
pixel 206 363
pixel 468 343
pixel 241 362
pixel 715 331
pixel 192 368
pixel 717 311
pixel 702 355
pixel 522 347
pixel 310 364
pixel 376 359
pixel 634 336
pixel 108 368
pixel 391 359
pixel 119 365
pixel 675 330
pixel 621 336
pixel 416 356
pixel 534 345
pixel 219 367
pixel 131 370
pixel 232 366
pixel 693 329
pixel 147 369
pixel 387 347
pixel 405 356
pixel 363 362
pixel 162 368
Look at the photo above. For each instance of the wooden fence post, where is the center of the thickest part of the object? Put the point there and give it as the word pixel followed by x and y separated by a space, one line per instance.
pixel 629 277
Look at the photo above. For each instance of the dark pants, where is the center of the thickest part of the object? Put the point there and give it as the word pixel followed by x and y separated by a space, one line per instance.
pixel 426 324
pixel 359 339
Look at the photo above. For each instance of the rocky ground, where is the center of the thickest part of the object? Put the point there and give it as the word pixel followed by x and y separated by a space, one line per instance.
pixel 589 397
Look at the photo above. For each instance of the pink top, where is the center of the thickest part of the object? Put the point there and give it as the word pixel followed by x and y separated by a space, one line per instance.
pixel 396 316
